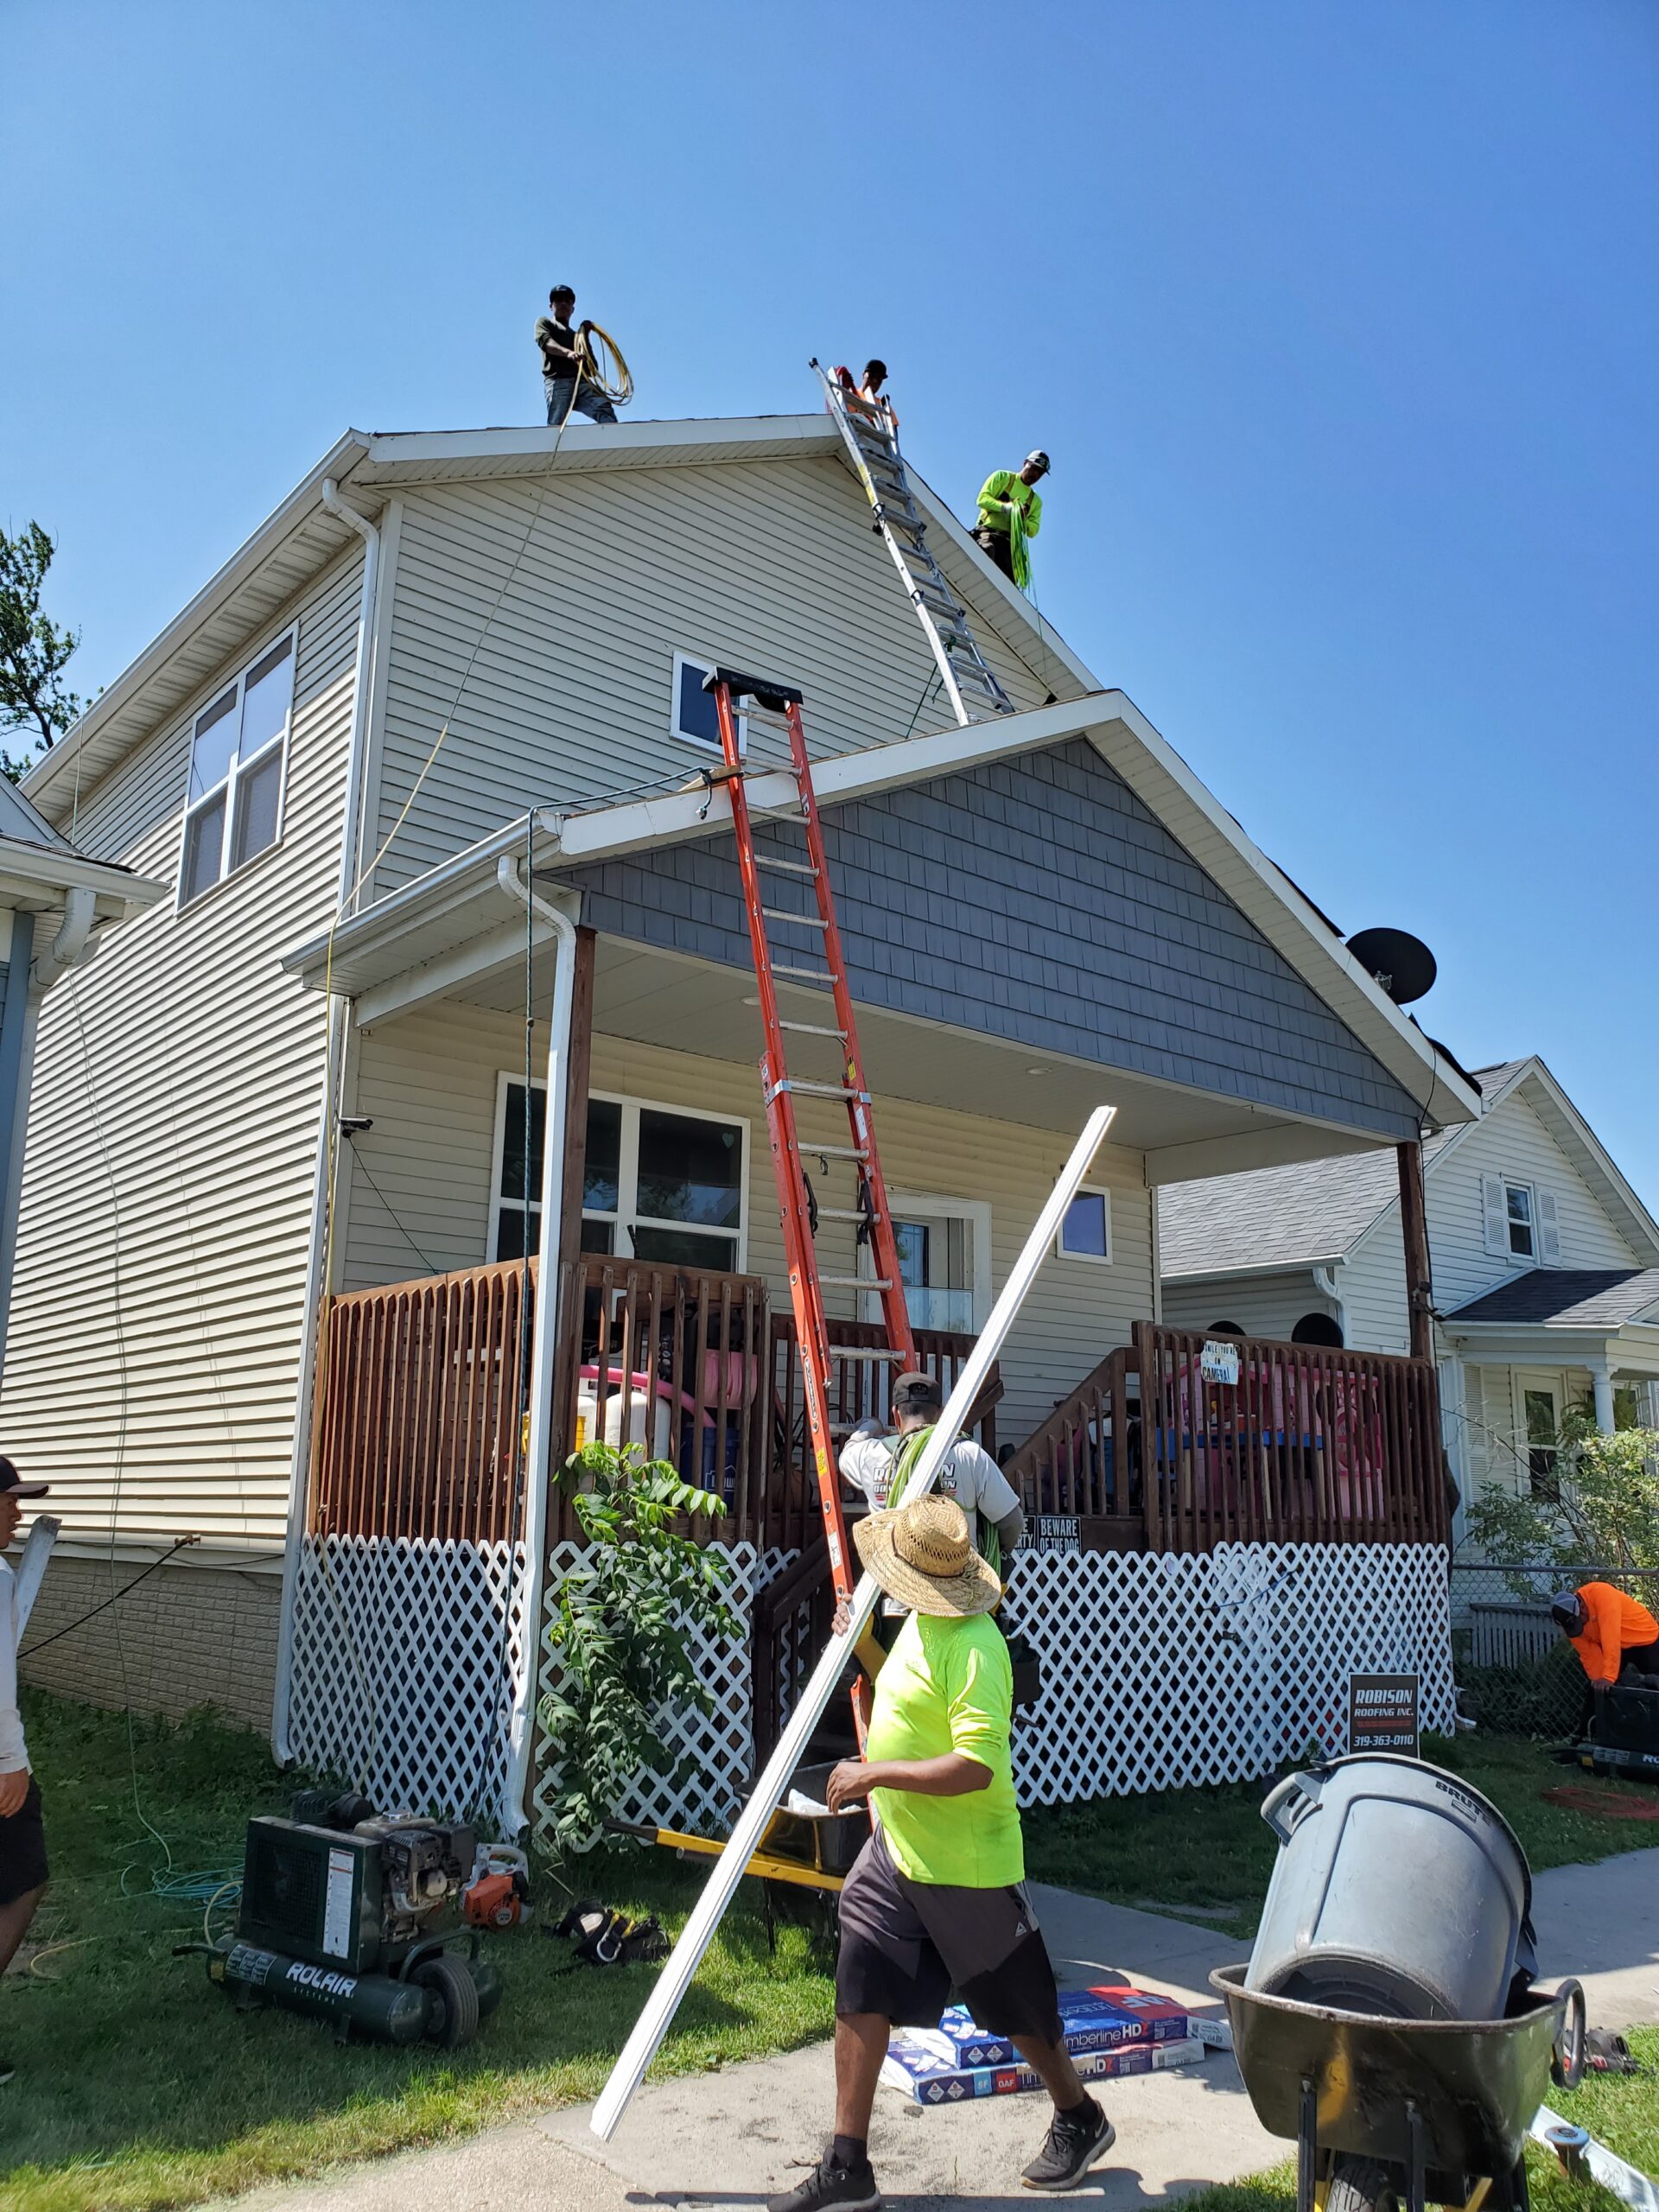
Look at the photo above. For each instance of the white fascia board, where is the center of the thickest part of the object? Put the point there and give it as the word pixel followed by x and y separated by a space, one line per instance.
pixel 34 878
pixel 306 498
pixel 1252 1267
pixel 610 444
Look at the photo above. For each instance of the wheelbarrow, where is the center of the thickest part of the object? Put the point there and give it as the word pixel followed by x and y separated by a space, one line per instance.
pixel 1390 2115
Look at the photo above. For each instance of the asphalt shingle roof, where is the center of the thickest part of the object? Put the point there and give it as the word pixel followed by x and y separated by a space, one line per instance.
pixel 1568 1298
pixel 1274 1217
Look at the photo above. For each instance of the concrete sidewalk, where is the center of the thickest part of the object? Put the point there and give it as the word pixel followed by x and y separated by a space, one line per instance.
pixel 721 2142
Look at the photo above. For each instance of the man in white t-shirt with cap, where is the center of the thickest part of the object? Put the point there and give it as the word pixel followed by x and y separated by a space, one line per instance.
pixel 879 1463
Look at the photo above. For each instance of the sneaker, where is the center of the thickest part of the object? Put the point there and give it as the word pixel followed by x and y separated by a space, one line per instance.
pixel 1071 2147
pixel 832 2188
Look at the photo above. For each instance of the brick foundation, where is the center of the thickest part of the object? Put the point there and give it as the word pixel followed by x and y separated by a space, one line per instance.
pixel 189 1637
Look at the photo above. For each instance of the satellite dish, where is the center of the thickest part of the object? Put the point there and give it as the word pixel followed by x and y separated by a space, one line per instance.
pixel 1403 963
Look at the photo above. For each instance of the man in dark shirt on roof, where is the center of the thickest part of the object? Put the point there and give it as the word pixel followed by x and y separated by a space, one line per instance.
pixel 568 388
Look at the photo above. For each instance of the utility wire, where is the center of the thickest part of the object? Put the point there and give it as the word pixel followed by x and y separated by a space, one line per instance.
pixel 92 1613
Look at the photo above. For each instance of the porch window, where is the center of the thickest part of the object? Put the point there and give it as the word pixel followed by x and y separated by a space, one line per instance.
pixel 658 1184
pixel 694 717
pixel 1539 1407
pixel 1086 1232
pixel 238 750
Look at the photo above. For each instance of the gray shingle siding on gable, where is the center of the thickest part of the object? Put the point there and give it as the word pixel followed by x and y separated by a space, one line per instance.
pixel 1035 900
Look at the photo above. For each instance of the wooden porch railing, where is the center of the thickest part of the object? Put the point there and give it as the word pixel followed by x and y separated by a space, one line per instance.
pixel 416 1425
pixel 1310 1446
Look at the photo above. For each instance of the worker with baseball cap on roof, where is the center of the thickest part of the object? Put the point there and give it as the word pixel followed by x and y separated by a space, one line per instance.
pixel 23 1839
pixel 566 384
pixel 880 1465
pixel 1011 513
pixel 936 1900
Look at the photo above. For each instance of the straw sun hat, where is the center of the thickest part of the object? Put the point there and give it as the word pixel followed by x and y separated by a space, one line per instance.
pixel 923 1555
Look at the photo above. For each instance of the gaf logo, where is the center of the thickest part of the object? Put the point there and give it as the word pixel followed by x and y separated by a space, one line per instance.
pixel 320 1977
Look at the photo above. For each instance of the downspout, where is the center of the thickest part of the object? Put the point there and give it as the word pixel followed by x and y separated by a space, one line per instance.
pixel 333 1068
pixel 1324 1281
pixel 544 1342
pixel 72 946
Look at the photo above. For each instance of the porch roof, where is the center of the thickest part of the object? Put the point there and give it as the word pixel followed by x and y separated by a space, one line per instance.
pixel 444 931
pixel 1552 1317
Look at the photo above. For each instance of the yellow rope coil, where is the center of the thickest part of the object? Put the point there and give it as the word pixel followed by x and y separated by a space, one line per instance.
pixel 603 364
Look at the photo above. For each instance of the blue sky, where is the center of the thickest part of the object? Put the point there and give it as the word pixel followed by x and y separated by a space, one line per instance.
pixel 1339 322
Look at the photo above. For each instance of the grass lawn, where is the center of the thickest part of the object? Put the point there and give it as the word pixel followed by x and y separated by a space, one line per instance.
pixel 1208 1854
pixel 138 2085
pixel 1622 2111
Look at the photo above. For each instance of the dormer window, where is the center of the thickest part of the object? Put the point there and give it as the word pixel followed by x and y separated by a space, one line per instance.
pixel 234 808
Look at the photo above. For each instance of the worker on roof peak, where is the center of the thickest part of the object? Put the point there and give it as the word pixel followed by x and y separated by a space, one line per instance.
pixel 869 387
pixel 566 375
pixel 1011 513
pixel 1617 1638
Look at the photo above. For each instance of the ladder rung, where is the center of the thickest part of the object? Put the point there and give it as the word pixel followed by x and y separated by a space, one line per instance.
pixel 809 974
pixel 832 1151
pixel 800 921
pixel 854 1282
pixel 819 1091
pixel 809 1028
pixel 846 1213
pixel 783 866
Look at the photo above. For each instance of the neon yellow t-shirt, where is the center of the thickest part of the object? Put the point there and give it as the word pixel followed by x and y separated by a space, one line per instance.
pixel 948 1686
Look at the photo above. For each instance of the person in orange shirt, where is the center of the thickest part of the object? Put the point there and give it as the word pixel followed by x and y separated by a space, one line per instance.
pixel 1617 1638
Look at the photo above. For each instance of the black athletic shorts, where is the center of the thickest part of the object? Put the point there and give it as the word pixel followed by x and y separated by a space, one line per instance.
pixel 906 1946
pixel 22 1848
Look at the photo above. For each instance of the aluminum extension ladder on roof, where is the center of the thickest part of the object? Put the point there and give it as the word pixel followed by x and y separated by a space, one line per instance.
pixel 817 963
pixel 872 438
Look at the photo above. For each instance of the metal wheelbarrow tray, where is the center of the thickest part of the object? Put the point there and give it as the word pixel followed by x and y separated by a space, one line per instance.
pixel 1445 2104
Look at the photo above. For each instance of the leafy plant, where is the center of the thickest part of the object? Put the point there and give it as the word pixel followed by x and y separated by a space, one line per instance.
pixel 1600 1509
pixel 34 652
pixel 622 1632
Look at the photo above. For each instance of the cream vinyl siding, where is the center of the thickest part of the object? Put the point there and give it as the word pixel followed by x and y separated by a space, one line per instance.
pixel 772 566
pixel 1514 1143
pixel 430 1082
pixel 156 1319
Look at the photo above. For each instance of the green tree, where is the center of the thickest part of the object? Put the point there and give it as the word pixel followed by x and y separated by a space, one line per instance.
pixel 621 1633
pixel 34 652
pixel 1601 1507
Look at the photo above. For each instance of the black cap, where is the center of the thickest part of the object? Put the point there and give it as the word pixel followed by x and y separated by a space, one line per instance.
pixel 562 292
pixel 11 1480
pixel 915 1393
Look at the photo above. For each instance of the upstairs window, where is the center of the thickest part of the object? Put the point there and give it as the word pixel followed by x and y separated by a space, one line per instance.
pixel 238 751
pixel 1086 1231
pixel 1522 1222
pixel 1517 1208
pixel 694 717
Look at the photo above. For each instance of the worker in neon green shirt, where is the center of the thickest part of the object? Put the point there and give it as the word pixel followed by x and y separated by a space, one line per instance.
pixel 1010 514
pixel 937 1899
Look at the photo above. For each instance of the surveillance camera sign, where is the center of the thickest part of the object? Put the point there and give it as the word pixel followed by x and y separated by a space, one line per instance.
pixel 1382 1714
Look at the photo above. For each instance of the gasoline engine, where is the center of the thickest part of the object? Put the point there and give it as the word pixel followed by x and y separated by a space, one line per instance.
pixel 345 1916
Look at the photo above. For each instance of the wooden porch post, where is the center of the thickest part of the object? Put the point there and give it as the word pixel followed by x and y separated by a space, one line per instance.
pixel 1414 1228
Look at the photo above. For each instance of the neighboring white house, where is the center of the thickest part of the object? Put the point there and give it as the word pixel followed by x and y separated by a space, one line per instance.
pixel 453 668
pixel 1546 1271
pixel 56 906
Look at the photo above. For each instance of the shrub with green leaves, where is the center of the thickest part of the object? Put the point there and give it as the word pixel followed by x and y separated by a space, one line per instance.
pixel 1600 1509
pixel 623 1631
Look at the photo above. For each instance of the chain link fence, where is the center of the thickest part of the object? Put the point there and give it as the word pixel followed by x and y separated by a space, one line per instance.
pixel 1516 1673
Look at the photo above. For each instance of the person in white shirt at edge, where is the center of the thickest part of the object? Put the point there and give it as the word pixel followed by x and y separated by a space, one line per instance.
pixel 22 1842
pixel 879 1463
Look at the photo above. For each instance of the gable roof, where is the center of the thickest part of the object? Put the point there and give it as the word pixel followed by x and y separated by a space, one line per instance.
pixel 1309 1215
pixel 301 537
pixel 1567 1298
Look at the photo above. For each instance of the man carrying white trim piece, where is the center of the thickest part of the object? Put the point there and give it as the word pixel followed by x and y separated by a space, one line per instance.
pixel 936 1901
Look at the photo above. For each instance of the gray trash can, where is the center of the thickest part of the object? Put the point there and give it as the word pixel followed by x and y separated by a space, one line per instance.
pixel 1397 1889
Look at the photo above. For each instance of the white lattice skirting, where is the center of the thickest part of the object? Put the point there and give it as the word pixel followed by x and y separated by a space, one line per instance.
pixel 1160 1671
pixel 406 1654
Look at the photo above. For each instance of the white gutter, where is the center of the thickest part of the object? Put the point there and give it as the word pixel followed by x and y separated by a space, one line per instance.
pixel 537 1454
pixel 333 1070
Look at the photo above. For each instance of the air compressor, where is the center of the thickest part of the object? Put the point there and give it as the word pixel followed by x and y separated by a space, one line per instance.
pixel 346 1916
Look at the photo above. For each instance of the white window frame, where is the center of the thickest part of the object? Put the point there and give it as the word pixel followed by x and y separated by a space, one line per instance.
pixel 229 784
pixel 936 1205
pixel 705 663
pixel 627 1178
pixel 1516 1183
pixel 1088 1259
